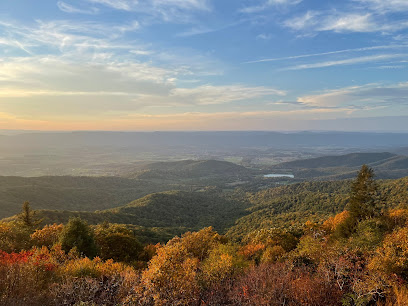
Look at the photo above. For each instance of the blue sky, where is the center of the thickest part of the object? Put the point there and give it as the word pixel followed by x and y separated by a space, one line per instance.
pixel 204 65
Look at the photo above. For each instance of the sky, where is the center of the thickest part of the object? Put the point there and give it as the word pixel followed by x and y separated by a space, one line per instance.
pixel 147 65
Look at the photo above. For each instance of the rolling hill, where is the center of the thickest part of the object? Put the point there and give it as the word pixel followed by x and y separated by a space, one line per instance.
pixel 235 214
pixel 293 205
pixel 84 193
pixel 348 160
pixel 73 193
pixel 191 169
pixel 386 166
pixel 172 209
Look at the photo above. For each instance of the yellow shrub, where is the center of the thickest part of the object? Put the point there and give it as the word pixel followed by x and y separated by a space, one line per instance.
pixel 48 235
pixel 82 267
pixel 392 256
pixel 331 223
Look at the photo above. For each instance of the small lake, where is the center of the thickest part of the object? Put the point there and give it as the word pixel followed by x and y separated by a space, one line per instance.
pixel 279 175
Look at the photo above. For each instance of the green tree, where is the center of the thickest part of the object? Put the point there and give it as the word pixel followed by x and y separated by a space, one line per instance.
pixel 14 237
pixel 364 202
pixel 364 195
pixel 78 234
pixel 117 242
pixel 27 217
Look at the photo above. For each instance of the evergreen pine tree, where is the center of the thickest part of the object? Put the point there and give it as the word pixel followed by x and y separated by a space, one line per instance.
pixel 363 202
pixel 78 234
pixel 27 216
pixel 364 195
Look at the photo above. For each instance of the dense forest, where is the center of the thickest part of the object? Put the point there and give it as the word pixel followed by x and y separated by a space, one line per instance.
pixel 386 165
pixel 87 193
pixel 234 213
pixel 313 243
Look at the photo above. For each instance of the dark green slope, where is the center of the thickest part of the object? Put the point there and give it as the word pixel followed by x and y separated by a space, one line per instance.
pixel 315 201
pixel 386 166
pixel 395 163
pixel 174 209
pixel 292 205
pixel 237 214
pixel 72 193
pixel 190 169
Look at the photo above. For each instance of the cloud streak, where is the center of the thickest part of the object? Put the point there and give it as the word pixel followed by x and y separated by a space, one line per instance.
pixel 360 97
pixel 208 94
pixel 372 48
pixel 349 61
pixel 179 11
pixel 351 21
pixel 67 8
pixel 383 7
pixel 267 4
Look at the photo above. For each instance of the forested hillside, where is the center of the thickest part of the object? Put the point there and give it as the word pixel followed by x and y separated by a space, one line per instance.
pixel 293 205
pixel 73 193
pixel 342 243
pixel 191 169
pixel 176 210
pixel 236 213
pixel 84 193
pixel 386 166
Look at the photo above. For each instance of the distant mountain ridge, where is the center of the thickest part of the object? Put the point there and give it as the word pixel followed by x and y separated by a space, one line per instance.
pixel 205 139
pixel 386 165
pixel 348 160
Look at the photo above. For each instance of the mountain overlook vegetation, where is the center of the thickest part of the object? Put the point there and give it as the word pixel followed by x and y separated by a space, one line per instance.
pixel 310 243
pixel 236 213
pixel 73 193
pixel 88 193
pixel 206 231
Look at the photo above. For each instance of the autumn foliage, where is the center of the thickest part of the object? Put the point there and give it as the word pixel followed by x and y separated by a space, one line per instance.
pixel 323 263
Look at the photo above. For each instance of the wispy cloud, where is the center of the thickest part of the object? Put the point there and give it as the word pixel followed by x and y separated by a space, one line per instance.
pixel 373 48
pixel 349 61
pixel 88 69
pixel 167 10
pixel 264 36
pixel 125 5
pixel 199 30
pixel 14 44
pixel 349 23
pixel 382 7
pixel 51 87
pixel 267 4
pixel 208 94
pixel 196 31
pixel 67 8
pixel 92 42
pixel 302 22
pixel 344 21
pixel 360 97
pixel 68 62
pixel 65 37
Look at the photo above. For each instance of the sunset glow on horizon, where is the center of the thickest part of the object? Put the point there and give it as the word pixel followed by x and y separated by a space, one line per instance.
pixel 204 65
